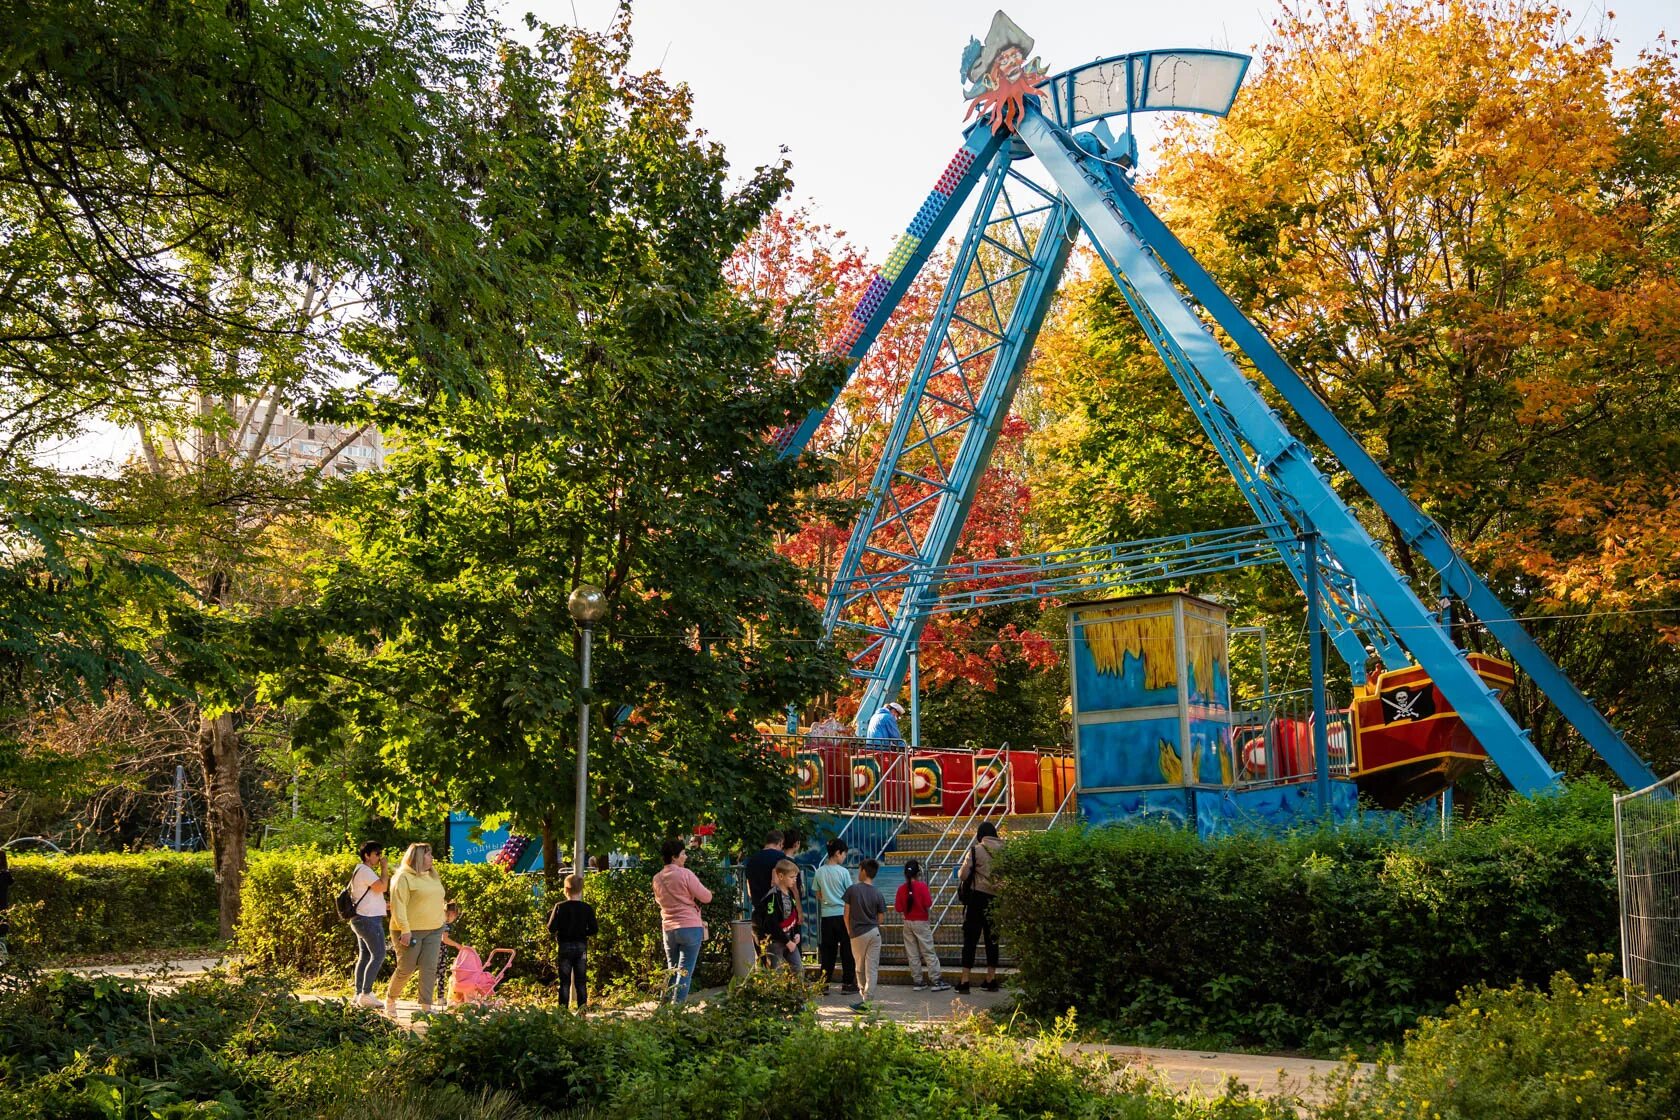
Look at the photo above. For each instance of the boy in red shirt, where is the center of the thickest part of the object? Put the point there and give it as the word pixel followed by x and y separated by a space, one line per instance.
pixel 915 902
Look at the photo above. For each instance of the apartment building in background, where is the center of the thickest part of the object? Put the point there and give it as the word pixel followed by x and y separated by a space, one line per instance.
pixel 296 445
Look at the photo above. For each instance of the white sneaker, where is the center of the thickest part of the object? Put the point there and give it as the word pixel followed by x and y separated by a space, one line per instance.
pixel 368 999
pixel 939 986
pixel 918 987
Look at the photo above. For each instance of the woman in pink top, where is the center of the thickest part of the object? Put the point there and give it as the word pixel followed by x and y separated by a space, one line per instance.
pixel 680 894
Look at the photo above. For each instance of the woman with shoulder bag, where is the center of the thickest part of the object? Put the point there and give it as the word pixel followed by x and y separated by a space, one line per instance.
pixel 368 884
pixel 978 892
pixel 417 917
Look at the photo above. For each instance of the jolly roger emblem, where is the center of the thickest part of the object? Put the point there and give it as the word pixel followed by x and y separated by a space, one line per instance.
pixel 1408 703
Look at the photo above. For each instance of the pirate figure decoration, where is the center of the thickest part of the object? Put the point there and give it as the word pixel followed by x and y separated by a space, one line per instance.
pixel 999 77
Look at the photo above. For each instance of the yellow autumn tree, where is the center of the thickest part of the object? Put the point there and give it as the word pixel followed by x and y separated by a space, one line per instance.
pixel 1461 222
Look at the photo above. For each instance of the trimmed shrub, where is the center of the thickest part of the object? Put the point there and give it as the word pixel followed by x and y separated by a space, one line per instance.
pixel 1573 1052
pixel 75 1048
pixel 286 918
pixel 66 906
pixel 757 1052
pixel 1317 940
pixel 287 922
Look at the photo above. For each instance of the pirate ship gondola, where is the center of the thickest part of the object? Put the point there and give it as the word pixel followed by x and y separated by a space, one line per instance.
pixel 1409 742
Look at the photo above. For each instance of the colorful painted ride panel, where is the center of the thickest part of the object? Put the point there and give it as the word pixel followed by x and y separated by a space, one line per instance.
pixel 1022 769
pixel 991 780
pixel 1220 812
pixel 871 769
pixel 1151 700
pixel 940 781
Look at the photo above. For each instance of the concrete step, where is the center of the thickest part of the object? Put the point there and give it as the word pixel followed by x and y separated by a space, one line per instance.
pixel 1020 822
pixel 948 957
pixel 899 975
pixel 947 943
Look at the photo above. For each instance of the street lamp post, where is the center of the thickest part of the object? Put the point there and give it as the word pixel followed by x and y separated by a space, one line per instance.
pixel 588 605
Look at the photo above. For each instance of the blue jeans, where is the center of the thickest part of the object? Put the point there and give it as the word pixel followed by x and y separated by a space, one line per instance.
pixel 682 952
pixel 370 951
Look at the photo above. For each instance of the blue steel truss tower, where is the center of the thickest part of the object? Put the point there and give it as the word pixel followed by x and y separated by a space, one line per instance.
pixel 1035 185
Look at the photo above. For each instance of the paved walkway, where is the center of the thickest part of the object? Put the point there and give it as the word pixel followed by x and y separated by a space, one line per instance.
pixel 1202 1071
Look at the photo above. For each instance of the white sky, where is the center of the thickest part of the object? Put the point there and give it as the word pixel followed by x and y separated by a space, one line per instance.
pixel 865 94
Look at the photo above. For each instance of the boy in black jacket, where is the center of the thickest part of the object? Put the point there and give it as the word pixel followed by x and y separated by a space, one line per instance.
pixel 572 923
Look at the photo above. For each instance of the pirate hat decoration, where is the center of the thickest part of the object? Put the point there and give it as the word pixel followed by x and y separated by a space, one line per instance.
pixel 1003 33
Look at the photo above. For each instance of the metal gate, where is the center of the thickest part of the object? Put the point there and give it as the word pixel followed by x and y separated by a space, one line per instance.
pixel 1648 882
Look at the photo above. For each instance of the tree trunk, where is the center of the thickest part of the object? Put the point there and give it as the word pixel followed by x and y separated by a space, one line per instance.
pixel 551 856
pixel 218 749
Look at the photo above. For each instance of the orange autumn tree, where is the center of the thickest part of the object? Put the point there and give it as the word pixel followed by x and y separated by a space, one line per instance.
pixel 1461 222
pixel 793 262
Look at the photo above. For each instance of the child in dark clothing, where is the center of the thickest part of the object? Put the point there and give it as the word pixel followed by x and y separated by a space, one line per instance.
pixel 777 920
pixel 451 915
pixel 572 923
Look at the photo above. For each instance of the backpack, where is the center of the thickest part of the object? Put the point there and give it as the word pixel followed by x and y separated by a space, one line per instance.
pixel 965 886
pixel 344 906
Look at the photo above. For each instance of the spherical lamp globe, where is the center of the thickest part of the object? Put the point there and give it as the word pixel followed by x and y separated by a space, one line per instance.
pixel 588 604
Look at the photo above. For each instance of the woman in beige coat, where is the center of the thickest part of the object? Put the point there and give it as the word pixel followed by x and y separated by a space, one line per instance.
pixel 976 872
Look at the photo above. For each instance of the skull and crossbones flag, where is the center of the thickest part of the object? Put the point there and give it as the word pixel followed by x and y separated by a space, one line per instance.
pixel 1408 702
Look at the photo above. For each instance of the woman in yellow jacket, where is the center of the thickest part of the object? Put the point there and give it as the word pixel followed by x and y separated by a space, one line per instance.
pixel 416 897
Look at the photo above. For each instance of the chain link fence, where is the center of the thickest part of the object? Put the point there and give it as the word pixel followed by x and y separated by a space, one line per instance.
pixel 1648 881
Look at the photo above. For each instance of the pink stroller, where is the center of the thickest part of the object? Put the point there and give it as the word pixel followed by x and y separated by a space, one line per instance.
pixel 472 980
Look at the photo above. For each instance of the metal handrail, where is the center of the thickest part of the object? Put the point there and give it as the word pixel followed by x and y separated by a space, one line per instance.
pixel 950 888
pixel 1267 714
pixel 977 814
pixel 958 821
pixel 852 831
pixel 1067 799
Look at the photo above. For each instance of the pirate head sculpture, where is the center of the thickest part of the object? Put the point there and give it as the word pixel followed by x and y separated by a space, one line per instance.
pixel 999 76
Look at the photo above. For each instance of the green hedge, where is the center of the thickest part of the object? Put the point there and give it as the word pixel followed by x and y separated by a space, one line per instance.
pixel 1320 940
pixel 67 906
pixel 287 922
pixel 74 1047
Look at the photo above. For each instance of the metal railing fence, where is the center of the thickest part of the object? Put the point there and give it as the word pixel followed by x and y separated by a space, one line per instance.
pixel 883 812
pixel 945 857
pixel 1272 740
pixel 1648 886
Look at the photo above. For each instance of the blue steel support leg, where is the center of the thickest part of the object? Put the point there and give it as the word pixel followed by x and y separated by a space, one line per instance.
pixel 1283 457
pixel 881 500
pixel 1272 508
pixel 962 480
pixel 894 278
pixel 1315 661
pixel 1421 532
pixel 915 698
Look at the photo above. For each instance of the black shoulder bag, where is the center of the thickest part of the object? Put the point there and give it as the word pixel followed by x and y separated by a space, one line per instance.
pixel 345 907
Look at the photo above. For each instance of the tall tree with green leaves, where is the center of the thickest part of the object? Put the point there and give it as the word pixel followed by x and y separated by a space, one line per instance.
pixel 208 213
pixel 618 438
